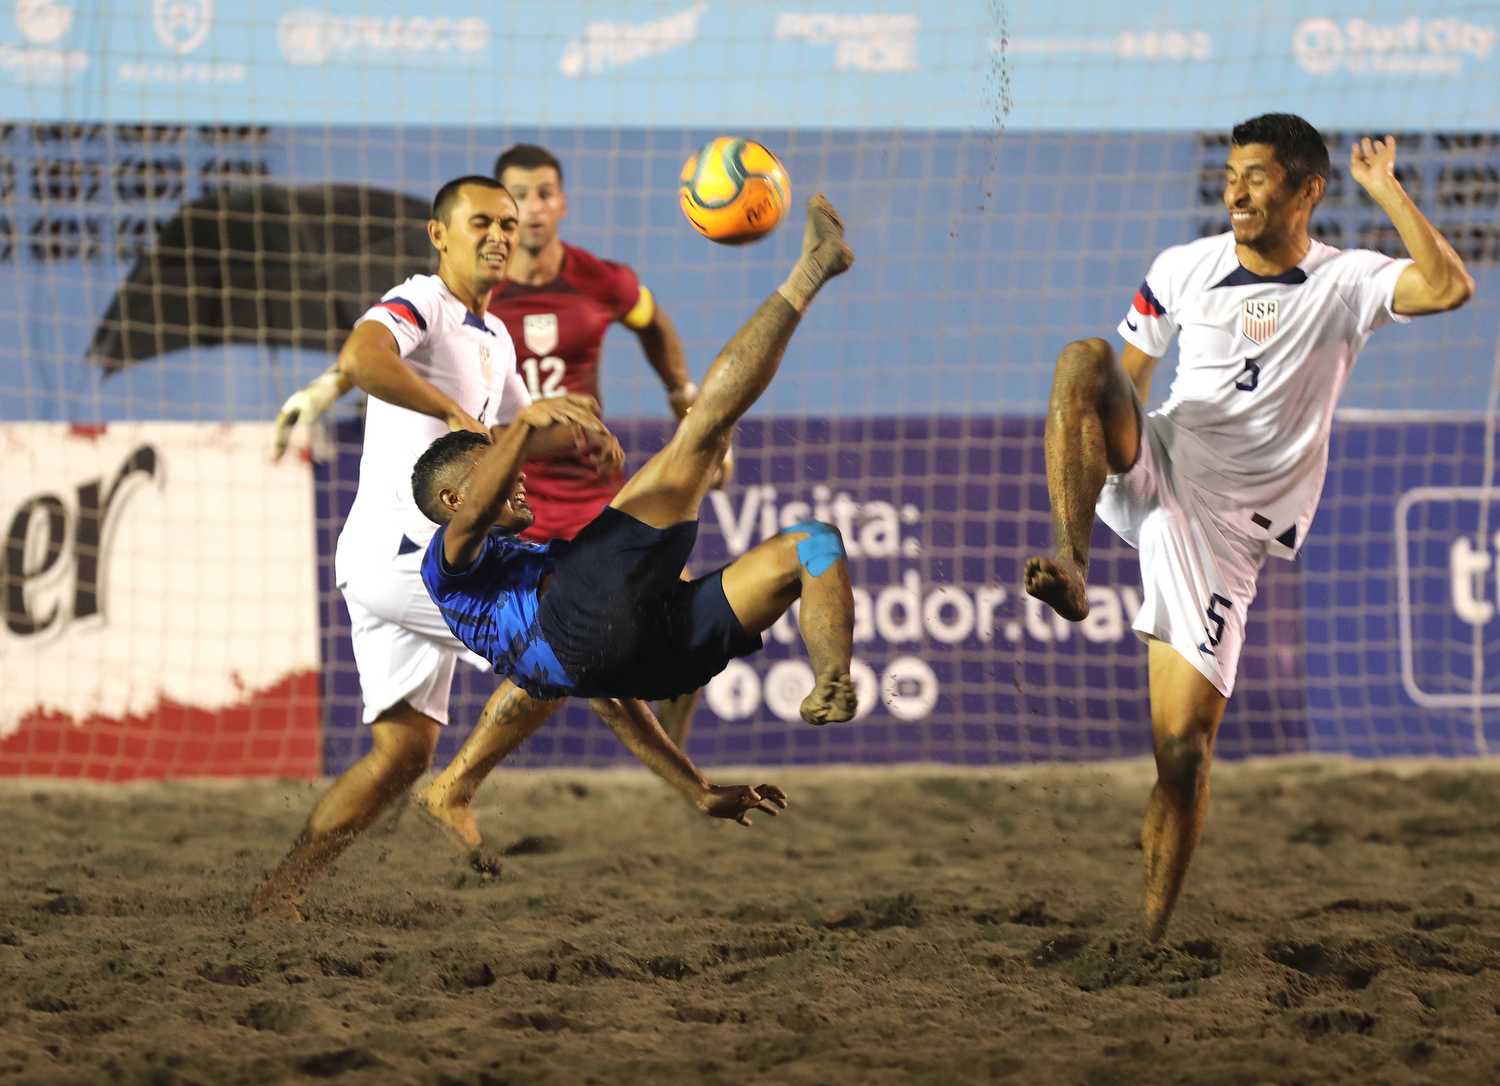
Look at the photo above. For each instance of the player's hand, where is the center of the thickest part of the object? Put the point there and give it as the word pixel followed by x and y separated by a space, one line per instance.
pixel 737 801
pixel 303 408
pixel 459 419
pixel 724 473
pixel 569 409
pixel 603 451
pixel 681 399
pixel 1373 163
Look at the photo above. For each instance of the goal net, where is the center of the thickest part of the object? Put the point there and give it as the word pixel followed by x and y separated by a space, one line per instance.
pixel 196 200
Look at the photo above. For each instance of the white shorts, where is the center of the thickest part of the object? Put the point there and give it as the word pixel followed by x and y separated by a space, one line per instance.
pixel 1198 576
pixel 402 647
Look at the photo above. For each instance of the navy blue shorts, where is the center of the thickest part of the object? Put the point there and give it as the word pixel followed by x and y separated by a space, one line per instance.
pixel 623 622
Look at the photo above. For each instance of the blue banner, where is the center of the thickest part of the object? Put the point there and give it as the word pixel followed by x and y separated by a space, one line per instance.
pixel 821 64
pixel 1364 646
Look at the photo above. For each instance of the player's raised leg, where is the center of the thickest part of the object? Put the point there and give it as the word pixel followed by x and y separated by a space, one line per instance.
pixel 1185 713
pixel 404 740
pixel 805 561
pixel 670 487
pixel 1093 430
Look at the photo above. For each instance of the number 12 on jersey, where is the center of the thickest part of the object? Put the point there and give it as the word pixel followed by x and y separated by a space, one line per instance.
pixel 544 376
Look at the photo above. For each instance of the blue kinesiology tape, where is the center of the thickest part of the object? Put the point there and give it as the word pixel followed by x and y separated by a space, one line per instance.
pixel 822 547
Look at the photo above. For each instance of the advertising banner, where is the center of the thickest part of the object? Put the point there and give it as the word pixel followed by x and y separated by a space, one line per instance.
pixel 160 614
pixel 953 661
pixel 963 64
pixel 1380 640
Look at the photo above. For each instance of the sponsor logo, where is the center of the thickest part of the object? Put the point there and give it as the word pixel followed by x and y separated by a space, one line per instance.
pixel 310 37
pixel 1151 45
pixel 903 615
pixel 182 25
pixel 57 550
pixel 862 42
pixel 1258 319
pixel 605 45
pixel 539 332
pixel 1413 46
pixel 1448 587
pixel 42 22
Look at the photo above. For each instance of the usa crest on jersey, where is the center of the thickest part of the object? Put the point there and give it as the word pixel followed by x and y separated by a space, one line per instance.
pixel 1258 319
pixel 539 330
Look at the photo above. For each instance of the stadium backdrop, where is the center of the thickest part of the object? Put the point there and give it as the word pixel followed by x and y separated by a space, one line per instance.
pixel 1007 170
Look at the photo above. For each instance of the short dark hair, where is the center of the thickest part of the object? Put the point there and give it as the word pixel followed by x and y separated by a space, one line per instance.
pixel 447 196
pixel 434 470
pixel 1298 145
pixel 527 156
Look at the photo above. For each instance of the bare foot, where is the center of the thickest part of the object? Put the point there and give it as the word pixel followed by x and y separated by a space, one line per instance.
pixel 832 699
pixel 823 241
pixel 454 816
pixel 1059 584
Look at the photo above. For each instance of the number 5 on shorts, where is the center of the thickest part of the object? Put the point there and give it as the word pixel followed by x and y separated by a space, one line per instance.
pixel 1218 623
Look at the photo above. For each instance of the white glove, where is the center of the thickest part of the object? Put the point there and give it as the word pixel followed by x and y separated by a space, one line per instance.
pixel 303 408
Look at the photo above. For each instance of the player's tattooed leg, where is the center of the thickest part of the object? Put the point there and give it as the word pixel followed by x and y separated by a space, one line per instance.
pixel 826 617
pixel 508 718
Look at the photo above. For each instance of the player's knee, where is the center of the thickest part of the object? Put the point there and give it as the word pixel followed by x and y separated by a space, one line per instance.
pixel 1084 367
pixel 1181 763
pixel 405 753
pixel 815 546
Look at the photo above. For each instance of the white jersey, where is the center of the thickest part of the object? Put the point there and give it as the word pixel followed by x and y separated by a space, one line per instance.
pixel 1261 364
pixel 472 361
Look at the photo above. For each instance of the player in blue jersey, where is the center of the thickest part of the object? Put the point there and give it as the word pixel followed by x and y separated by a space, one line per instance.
pixel 1230 469
pixel 605 615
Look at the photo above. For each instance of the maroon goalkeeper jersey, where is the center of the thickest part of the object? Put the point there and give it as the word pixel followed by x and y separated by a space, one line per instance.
pixel 558 329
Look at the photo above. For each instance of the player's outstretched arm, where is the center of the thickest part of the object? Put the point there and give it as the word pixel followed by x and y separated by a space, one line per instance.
pixel 1437 281
pixel 664 352
pixel 638 728
pixel 489 485
pixel 371 359
pixel 307 404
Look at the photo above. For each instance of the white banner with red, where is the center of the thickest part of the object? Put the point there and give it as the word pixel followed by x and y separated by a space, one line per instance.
pixel 159 595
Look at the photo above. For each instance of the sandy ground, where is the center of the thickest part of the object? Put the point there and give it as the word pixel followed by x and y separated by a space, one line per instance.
pixel 1341 924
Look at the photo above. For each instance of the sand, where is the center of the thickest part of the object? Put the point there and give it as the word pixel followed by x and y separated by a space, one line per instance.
pixel 1341 924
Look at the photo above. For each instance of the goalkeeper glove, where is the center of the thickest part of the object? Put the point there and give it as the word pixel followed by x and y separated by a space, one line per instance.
pixel 303 408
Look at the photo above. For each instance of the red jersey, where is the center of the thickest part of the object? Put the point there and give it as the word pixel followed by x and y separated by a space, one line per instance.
pixel 558 329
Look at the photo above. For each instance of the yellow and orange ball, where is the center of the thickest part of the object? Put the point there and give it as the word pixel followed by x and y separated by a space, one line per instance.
pixel 734 191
